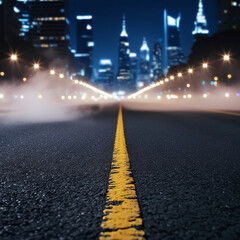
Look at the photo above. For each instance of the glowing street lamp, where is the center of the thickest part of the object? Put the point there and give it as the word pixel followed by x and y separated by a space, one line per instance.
pixel 229 76
pixel 166 79
pixel 190 70
pixel 36 66
pixel 24 79
pixel 52 72
pixel 172 77
pixel 215 78
pixel 179 74
pixel 61 75
pixel 188 85
pixel 205 65
pixel 2 74
pixel 13 57
pixel 226 58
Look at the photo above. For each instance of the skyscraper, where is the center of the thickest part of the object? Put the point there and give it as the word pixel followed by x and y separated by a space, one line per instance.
pixel 46 26
pixel 144 64
pixel 124 72
pixel 9 26
pixel 157 62
pixel 134 68
pixel 9 41
pixel 173 55
pixel 228 14
pixel 85 46
pixel 105 76
pixel 200 29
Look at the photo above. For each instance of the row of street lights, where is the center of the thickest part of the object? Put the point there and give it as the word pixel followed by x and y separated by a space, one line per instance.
pixel 14 58
pixel 205 65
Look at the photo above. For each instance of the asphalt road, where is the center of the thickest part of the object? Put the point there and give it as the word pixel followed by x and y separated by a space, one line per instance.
pixel 186 167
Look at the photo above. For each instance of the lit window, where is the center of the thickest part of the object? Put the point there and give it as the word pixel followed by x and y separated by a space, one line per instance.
pixel 89 27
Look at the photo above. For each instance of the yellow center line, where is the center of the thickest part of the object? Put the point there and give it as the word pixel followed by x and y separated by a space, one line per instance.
pixel 121 218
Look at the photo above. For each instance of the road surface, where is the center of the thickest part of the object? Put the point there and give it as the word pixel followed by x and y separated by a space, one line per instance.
pixel 54 177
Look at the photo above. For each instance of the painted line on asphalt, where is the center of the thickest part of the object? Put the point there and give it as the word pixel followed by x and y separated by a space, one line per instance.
pixel 122 217
pixel 227 113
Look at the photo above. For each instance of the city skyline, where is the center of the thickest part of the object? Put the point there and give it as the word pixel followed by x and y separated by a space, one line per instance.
pixel 107 23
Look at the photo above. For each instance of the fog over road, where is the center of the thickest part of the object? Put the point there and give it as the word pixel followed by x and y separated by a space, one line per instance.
pixel 186 167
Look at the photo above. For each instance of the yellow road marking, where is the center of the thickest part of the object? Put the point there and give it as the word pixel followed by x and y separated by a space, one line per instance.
pixel 121 218
pixel 227 113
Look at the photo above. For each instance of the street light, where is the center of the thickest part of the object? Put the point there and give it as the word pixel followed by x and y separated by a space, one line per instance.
pixel 226 57
pixel 205 65
pixel 229 76
pixel 172 77
pixel 13 57
pixel 61 75
pixel 190 70
pixel 36 66
pixel 2 74
pixel 179 74
pixel 52 72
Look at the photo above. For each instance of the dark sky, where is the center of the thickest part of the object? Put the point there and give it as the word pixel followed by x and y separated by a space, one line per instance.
pixel 144 19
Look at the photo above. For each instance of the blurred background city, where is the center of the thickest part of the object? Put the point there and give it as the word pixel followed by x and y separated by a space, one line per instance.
pixel 124 46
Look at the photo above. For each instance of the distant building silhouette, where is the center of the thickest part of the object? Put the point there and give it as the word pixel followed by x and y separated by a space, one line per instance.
pixel 9 26
pixel 45 25
pixel 124 78
pixel 157 67
pixel 228 14
pixel 200 29
pixel 173 53
pixel 144 65
pixel 134 68
pixel 105 76
pixel 85 46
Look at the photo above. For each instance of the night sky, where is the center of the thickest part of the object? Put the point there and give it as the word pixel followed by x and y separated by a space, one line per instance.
pixel 144 19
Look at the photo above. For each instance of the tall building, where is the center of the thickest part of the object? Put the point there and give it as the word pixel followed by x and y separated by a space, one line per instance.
pixel 85 46
pixel 45 25
pixel 228 14
pixel 157 62
pixel 134 68
pixel 200 29
pixel 105 76
pixel 173 55
pixel 144 65
pixel 9 26
pixel 124 77
pixel 9 42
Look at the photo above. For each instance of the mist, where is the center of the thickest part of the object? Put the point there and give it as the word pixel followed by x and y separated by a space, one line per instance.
pixel 45 98
pixel 221 99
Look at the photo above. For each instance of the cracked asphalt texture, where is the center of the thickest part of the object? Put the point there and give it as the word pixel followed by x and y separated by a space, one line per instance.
pixel 186 167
